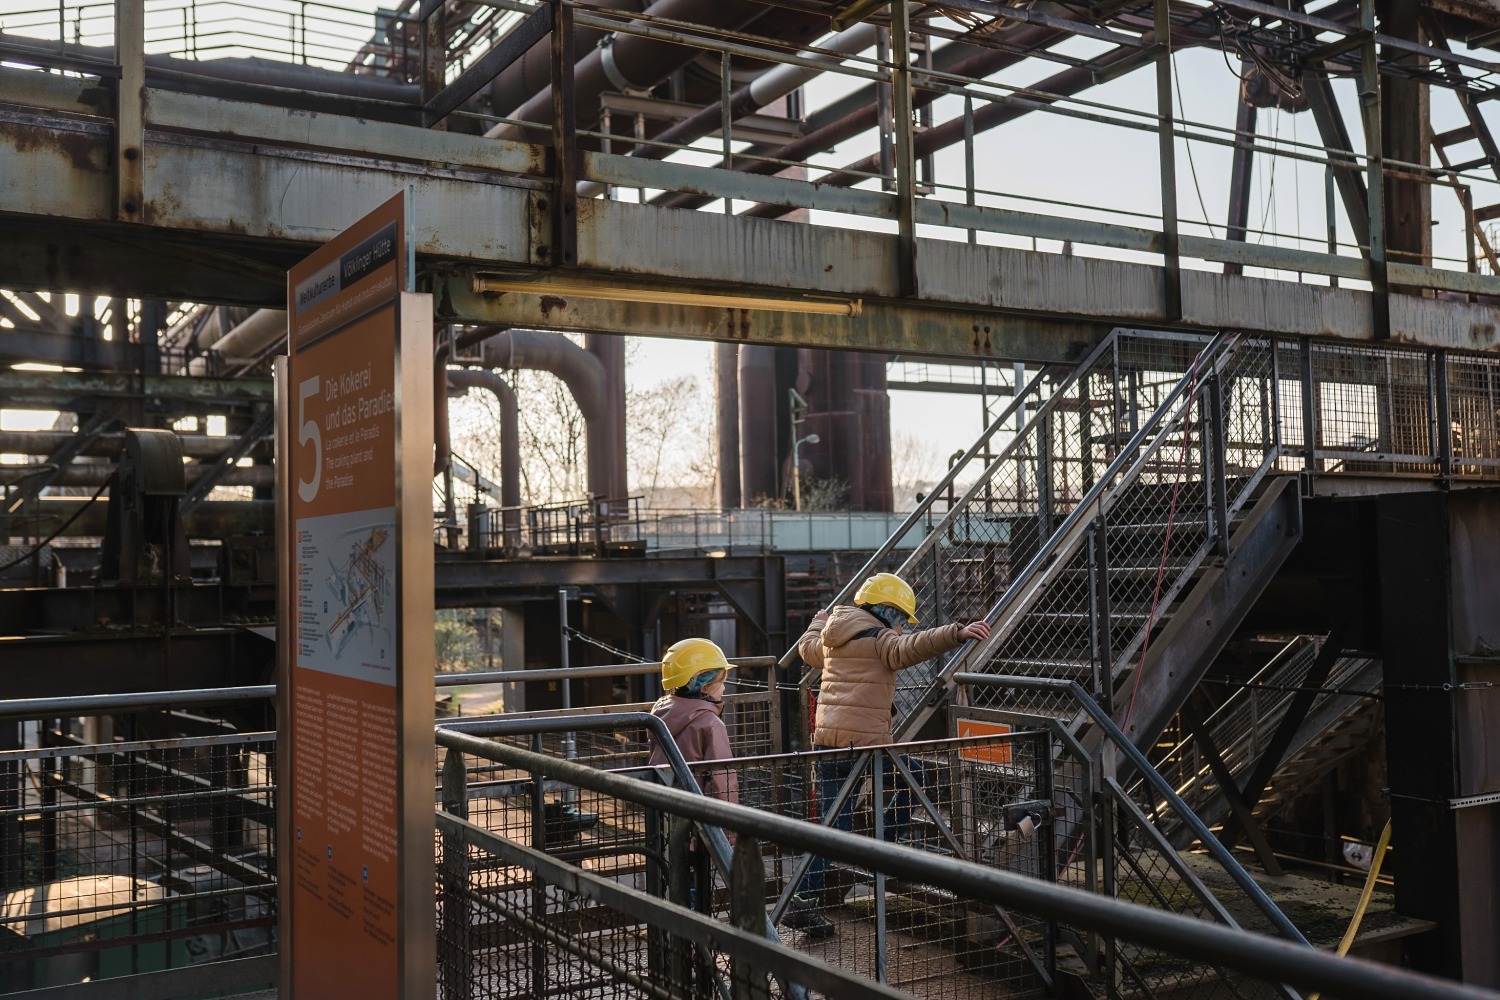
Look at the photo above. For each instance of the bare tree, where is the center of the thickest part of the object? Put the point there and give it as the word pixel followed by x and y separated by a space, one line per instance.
pixel 669 435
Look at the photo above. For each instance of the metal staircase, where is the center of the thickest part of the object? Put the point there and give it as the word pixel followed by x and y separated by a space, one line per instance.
pixel 1242 730
pixel 1137 526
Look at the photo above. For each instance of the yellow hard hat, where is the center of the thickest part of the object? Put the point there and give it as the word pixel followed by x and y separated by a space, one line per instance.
pixel 888 588
pixel 687 659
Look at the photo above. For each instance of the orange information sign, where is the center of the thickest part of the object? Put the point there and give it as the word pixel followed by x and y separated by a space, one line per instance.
pixel 985 753
pixel 355 649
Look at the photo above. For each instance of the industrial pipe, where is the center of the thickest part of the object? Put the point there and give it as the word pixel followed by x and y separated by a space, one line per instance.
pixel 510 426
pixel 97 473
pixel 634 63
pixel 973 62
pixel 772 85
pixel 247 341
pixel 532 72
pixel 727 424
pixel 585 376
pixel 928 141
pixel 757 416
pixel 162 69
pixel 109 445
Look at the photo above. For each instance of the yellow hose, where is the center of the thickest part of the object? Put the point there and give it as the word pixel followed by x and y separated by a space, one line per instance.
pixel 1364 897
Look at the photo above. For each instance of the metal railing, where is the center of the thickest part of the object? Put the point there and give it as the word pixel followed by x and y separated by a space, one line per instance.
pixel 127 855
pixel 537 906
pixel 1242 729
pixel 920 69
pixel 1138 862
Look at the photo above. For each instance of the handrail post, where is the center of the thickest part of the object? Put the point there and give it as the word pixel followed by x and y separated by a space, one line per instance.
pixel 679 891
pixel 877 809
pixel 1309 406
pixel 747 906
pixel 455 945
pixel 538 887
pixel 1214 442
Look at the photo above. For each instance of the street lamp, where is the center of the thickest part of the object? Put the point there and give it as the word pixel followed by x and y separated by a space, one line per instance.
pixel 797 469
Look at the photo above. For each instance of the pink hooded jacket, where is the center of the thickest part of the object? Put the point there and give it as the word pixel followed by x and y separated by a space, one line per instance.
pixel 701 735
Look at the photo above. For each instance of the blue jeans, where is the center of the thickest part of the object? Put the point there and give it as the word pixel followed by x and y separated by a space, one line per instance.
pixel 832 773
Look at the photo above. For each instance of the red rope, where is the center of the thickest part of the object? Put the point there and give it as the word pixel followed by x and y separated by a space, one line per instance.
pixel 1161 568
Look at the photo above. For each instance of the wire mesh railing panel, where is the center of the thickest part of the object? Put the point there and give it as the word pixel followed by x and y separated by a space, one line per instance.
pixel 136 856
pixel 503 932
pixel 1474 415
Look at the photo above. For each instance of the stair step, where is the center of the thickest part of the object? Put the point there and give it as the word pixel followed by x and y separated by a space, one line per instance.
pixel 1481 161
pixel 1487 214
pixel 1031 666
pixel 1454 136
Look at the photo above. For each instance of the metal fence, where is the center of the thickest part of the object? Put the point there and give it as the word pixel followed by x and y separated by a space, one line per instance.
pixel 135 856
pixel 1136 860
pixel 609 893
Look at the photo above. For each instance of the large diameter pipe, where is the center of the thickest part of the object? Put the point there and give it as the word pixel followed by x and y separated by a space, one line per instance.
pixel 758 451
pixel 1049 91
pixel 109 445
pixel 532 72
pixel 727 424
pixel 772 85
pixel 510 426
pixel 634 62
pixel 978 63
pixel 256 72
pixel 582 372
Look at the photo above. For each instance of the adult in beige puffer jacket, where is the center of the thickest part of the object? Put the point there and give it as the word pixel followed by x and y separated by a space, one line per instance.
pixel 859 656
pixel 860 649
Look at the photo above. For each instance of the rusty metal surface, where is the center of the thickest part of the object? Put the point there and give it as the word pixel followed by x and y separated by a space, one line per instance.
pixel 284 179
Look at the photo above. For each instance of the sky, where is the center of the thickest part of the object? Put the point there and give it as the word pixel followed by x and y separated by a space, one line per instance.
pixel 1042 163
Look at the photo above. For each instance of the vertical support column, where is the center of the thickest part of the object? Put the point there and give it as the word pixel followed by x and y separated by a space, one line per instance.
pixel 12 871
pixel 906 163
pixel 433 55
pixel 726 120
pixel 130 112
pixel 969 198
pixel 1240 173
pixel 1369 107
pixel 538 970
pixel 1166 132
pixel 679 892
pixel 1406 138
pixel 564 139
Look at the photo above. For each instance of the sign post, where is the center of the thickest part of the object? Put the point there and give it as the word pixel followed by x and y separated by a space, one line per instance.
pixel 355 649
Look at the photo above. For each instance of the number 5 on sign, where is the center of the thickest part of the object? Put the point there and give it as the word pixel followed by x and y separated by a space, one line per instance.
pixel 307 430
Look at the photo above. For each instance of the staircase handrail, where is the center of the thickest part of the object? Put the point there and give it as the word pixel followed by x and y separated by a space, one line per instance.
pixel 925 507
pixel 1127 462
pixel 1052 401
pixel 1122 743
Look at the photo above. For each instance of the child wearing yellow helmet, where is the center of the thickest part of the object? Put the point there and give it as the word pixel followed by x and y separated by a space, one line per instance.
pixel 692 679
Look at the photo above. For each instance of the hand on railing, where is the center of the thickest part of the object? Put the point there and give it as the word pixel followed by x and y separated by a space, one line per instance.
pixel 978 631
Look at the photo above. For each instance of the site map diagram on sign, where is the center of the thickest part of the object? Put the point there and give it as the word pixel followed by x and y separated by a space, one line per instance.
pixel 346 624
